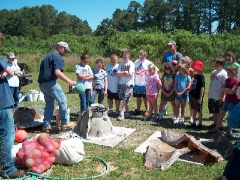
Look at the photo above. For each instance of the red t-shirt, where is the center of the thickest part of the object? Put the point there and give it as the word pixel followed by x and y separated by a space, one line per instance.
pixel 229 84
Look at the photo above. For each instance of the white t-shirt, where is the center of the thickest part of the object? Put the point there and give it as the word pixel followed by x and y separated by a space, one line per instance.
pixel 238 91
pixel 84 70
pixel 217 79
pixel 13 81
pixel 112 78
pixel 130 67
pixel 140 68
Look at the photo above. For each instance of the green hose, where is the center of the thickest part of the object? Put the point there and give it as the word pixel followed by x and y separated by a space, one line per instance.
pixel 35 175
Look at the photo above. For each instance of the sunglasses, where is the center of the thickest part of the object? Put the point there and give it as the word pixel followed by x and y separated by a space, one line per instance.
pixel 229 59
pixel 169 46
pixel 174 64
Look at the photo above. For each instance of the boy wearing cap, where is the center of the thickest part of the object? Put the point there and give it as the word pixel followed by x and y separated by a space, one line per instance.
pixel 51 68
pixel 197 93
pixel 13 81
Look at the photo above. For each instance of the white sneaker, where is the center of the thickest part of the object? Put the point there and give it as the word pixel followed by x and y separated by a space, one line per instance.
pixel 165 110
pixel 181 121
pixel 175 121
pixel 191 120
pixel 160 116
pixel 120 117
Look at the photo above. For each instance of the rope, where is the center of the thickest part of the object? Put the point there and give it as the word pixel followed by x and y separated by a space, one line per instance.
pixel 35 175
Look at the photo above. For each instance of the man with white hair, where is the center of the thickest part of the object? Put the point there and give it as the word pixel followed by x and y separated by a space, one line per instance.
pixel 51 69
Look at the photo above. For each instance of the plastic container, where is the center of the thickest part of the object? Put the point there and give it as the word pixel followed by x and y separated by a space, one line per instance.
pixel 58 119
pixel 34 95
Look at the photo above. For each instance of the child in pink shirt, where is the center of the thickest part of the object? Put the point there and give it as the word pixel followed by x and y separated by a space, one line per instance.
pixel 153 84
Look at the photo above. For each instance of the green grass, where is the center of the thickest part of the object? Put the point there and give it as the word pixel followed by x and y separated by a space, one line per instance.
pixel 124 163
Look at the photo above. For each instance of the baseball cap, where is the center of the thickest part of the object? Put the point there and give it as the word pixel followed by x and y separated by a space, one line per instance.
pixel 64 44
pixel 11 55
pixel 197 65
pixel 171 42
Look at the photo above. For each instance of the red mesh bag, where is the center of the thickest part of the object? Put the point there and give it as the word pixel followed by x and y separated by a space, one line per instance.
pixel 39 153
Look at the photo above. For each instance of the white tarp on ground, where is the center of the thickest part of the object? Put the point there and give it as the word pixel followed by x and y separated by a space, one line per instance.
pixel 118 135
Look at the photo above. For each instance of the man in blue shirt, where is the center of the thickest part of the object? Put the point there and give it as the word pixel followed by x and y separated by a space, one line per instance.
pixel 51 68
pixel 7 131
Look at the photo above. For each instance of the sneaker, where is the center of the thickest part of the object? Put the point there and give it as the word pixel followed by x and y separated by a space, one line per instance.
pixel 154 119
pixel 67 126
pixel 120 117
pixel 199 127
pixel 127 114
pixel 146 113
pixel 212 131
pixel 211 126
pixel 165 110
pixel 181 121
pixel 175 121
pixel 228 134
pixel 191 120
pixel 110 112
pixel 17 174
pixel 174 118
pixel 148 118
pixel 193 125
pixel 136 112
pixel 117 112
pixel 47 129
pixel 160 116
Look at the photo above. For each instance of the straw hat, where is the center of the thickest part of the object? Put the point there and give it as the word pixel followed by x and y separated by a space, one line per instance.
pixel 183 66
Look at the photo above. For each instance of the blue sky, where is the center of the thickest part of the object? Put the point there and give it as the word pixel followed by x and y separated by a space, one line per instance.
pixel 93 11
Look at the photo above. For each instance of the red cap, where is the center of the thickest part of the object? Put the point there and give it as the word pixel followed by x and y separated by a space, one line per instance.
pixel 197 65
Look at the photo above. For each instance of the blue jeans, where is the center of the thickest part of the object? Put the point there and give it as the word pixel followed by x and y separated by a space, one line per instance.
pixel 53 91
pixel 15 91
pixel 7 134
pixel 98 92
pixel 85 99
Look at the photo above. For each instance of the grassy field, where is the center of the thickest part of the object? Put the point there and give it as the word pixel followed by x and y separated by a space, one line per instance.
pixel 123 162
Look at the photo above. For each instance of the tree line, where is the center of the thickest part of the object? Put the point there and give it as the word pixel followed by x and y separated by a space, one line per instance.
pixel 203 47
pixel 195 16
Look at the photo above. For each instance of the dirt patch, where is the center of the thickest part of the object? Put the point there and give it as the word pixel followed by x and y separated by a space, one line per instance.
pixel 102 167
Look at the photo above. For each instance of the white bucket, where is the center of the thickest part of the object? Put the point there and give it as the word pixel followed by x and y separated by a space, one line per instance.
pixel 58 119
pixel 33 94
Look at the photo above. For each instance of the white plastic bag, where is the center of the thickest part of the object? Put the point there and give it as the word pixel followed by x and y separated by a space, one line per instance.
pixel 71 152
pixel 41 96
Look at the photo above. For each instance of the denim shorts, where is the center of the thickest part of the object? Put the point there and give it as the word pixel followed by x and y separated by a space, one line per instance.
pixel 139 91
pixel 185 97
pixel 228 106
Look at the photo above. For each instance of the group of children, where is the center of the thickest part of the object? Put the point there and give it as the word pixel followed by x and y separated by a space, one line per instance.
pixel 180 84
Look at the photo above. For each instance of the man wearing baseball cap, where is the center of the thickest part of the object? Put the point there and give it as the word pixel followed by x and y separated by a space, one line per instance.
pixel 174 57
pixel 51 68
